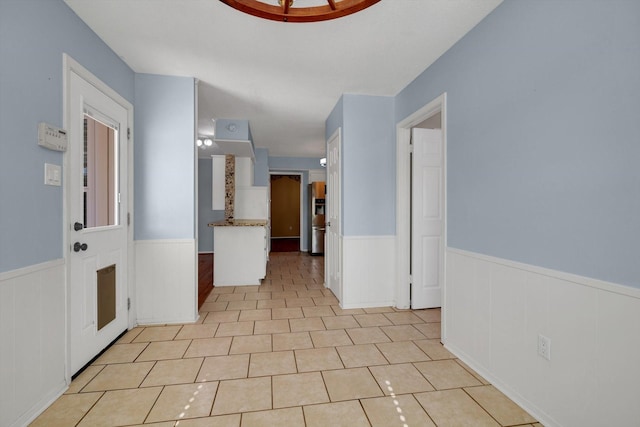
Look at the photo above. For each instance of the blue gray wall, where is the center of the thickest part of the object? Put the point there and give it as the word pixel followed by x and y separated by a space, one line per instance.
pixel 543 147
pixel 368 163
pixel 205 213
pixel 261 168
pixel 33 36
pixel 164 157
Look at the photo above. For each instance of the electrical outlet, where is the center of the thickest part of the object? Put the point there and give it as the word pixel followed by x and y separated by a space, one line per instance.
pixel 544 347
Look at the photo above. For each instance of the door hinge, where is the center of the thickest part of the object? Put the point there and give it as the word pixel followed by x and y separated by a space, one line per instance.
pixel 410 279
pixel 128 133
pixel 128 304
pixel 411 148
pixel 128 218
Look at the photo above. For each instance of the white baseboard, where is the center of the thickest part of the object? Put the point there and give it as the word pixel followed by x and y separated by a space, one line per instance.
pixel 494 311
pixel 33 337
pixel 166 281
pixel 368 271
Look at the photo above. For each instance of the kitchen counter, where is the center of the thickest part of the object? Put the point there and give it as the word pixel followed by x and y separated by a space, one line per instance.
pixel 239 223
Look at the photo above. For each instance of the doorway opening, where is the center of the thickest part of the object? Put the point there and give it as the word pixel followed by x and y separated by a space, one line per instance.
pixel 429 187
pixel 286 224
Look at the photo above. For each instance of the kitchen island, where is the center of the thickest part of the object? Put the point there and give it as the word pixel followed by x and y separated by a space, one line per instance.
pixel 240 248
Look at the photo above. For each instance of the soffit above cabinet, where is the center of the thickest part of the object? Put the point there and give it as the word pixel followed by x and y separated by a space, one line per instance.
pixel 233 136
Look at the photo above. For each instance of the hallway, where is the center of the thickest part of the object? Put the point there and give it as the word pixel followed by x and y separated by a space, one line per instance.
pixel 284 353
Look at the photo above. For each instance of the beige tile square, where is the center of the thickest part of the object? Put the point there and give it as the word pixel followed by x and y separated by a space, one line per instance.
pixel 349 311
pixel 367 335
pixel 445 374
pixel 429 330
pixel 472 372
pixel 328 301
pixel 252 394
pixel 403 318
pixel 232 420
pixel 222 316
pixel 347 384
pixel 121 407
pixel 157 333
pixel 233 329
pixel 361 355
pixel 223 289
pixel 272 303
pixel 434 349
pixel 298 389
pixel 400 379
pixel 121 353
pixel 402 352
pixel 262 314
pixel 246 289
pixel 162 424
pixel 179 371
pixel 257 296
pixel 209 347
pixel 340 322
pixel 178 402
pixel 286 313
pixel 214 306
pixel 66 410
pixel 310 293
pixel 402 333
pixel 275 363
pixel 290 417
pixel 503 409
pixel 307 324
pixel 396 411
pixel 230 297
pixel 292 341
pixel 454 408
pixel 271 326
pixel 189 332
pixel 164 350
pixel 331 338
pixel 284 295
pixel 269 287
pixel 429 315
pixel 250 344
pixel 83 379
pixel 120 376
pixel 368 320
pixel 130 335
pixel 224 368
pixel 372 310
pixel 242 305
pixel 339 414
pixel 317 359
pixel 317 311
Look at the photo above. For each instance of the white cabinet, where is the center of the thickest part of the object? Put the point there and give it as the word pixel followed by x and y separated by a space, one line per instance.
pixel 240 255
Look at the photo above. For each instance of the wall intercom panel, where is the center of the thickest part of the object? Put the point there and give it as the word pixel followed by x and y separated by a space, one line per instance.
pixel 52 137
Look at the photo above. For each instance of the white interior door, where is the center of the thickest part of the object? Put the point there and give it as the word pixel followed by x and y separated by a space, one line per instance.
pixel 427 218
pixel 97 220
pixel 333 254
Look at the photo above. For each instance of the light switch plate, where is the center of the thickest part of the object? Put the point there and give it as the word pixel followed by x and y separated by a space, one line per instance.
pixel 52 174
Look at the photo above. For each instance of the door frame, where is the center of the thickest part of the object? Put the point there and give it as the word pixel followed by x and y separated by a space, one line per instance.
pixel 301 207
pixel 403 197
pixel 70 65
pixel 337 136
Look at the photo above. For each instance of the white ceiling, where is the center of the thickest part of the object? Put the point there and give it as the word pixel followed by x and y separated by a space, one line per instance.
pixel 285 78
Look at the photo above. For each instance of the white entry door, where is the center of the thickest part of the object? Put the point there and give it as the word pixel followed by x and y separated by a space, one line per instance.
pixel 427 218
pixel 333 252
pixel 96 220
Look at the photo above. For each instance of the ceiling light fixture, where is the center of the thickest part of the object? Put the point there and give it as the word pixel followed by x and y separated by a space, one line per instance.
pixel 204 142
pixel 323 162
pixel 286 11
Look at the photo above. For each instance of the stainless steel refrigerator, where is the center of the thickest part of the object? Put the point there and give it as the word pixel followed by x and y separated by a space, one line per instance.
pixel 317 191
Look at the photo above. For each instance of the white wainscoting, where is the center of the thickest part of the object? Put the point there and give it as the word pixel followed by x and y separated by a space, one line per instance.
pixel 494 311
pixel 368 271
pixel 166 281
pixel 32 340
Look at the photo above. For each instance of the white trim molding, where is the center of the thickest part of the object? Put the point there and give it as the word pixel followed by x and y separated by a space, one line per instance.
pixel 367 271
pixel 495 309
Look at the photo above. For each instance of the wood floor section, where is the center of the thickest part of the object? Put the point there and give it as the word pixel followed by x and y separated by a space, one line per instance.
pixel 205 277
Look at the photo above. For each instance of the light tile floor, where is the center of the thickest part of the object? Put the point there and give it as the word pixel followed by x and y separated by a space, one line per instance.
pixel 284 353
